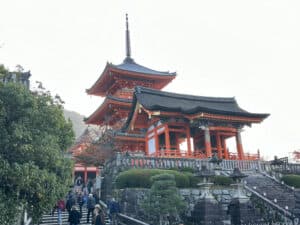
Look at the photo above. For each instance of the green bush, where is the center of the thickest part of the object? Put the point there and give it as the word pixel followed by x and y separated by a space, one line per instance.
pixel 142 178
pixel 193 181
pixel 222 180
pixel 292 180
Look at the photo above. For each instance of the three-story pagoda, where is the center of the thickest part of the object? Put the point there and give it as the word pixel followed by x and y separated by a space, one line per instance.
pixel 165 124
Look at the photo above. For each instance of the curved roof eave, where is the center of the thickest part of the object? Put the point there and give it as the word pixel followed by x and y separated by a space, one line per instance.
pixel 100 78
pixel 137 68
pixel 109 99
pixel 143 96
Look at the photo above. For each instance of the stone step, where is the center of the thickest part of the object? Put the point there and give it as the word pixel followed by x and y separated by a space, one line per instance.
pixel 52 220
pixel 272 189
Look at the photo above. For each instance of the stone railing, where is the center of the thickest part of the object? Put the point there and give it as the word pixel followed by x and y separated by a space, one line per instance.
pixel 287 168
pixel 122 162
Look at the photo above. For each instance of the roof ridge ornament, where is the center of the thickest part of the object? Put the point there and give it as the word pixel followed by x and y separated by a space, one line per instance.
pixel 128 58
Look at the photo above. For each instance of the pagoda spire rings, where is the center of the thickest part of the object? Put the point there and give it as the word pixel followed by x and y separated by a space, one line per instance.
pixel 128 48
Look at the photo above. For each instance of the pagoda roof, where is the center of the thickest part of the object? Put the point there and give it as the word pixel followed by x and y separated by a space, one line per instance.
pixel 98 116
pixel 155 100
pixel 130 65
pixel 129 68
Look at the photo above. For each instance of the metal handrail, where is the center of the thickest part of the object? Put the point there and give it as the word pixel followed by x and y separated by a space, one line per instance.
pixel 282 210
pixel 132 220
pixel 103 204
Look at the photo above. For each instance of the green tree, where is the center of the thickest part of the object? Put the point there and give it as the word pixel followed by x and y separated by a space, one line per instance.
pixel 3 72
pixel 34 136
pixel 164 203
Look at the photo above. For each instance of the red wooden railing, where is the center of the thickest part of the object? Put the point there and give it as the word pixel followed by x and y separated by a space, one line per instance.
pixel 199 154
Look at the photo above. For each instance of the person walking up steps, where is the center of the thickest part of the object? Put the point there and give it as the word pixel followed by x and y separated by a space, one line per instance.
pixel 99 217
pixel 60 207
pixel 80 201
pixel 74 217
pixel 90 207
pixel 114 209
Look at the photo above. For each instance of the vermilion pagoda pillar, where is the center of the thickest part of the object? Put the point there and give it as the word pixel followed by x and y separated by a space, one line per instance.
pixel 239 145
pixel 219 146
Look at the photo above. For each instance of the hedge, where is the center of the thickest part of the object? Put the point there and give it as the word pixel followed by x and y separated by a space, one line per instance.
pixel 291 180
pixel 142 178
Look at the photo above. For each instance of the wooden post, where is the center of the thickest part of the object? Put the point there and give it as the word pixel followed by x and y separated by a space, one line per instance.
pixel 239 145
pixel 207 142
pixel 188 136
pixel 219 146
pixel 85 175
pixel 157 150
pixel 146 144
pixel 177 142
pixel 195 147
pixel 167 138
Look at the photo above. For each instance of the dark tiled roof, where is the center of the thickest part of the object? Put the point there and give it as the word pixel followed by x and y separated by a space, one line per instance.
pixel 129 65
pixel 188 104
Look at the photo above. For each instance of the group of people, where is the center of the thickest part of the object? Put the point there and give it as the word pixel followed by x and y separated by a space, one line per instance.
pixel 80 185
pixel 74 204
pixel 80 197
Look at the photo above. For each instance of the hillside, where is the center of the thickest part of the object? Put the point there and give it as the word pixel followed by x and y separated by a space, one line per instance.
pixel 78 124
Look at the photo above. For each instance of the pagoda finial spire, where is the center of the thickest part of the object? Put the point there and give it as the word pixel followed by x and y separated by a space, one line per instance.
pixel 128 49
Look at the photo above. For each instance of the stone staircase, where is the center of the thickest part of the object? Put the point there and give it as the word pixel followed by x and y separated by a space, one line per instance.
pixel 48 219
pixel 272 190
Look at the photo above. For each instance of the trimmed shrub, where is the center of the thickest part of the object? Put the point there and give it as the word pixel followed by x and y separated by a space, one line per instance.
pixel 193 181
pixel 222 180
pixel 291 180
pixel 142 178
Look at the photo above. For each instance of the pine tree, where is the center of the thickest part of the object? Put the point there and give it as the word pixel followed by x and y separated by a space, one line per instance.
pixel 163 203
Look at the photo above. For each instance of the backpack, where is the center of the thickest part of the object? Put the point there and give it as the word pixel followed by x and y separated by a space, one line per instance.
pixel 91 203
pixel 61 205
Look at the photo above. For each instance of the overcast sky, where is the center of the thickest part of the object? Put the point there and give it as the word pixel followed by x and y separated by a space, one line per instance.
pixel 246 49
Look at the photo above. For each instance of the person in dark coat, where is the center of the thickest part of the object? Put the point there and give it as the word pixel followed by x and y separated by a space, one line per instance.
pixel 80 201
pixel 114 209
pixel 90 206
pixel 97 199
pixel 74 216
pixel 99 217
pixel 70 203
